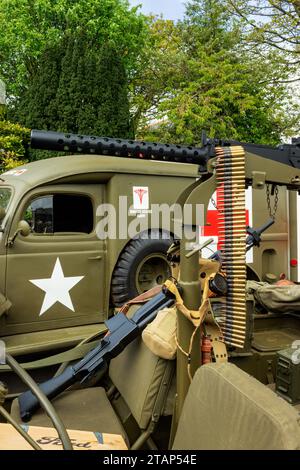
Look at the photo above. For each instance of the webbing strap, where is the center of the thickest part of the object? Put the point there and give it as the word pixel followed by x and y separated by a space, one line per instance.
pixel 195 316
pixel 163 391
pixel 203 315
pixel 192 315
pixel 75 353
pixel 215 335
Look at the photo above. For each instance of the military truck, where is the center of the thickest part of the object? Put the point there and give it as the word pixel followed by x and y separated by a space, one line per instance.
pixel 221 331
pixel 57 271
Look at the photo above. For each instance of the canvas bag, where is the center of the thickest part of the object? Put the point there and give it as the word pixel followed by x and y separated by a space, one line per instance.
pixel 160 335
pixel 279 299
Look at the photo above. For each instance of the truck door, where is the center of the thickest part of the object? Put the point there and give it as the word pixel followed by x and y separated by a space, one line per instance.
pixel 55 275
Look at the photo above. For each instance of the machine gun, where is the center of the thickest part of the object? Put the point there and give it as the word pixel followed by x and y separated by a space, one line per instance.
pixel 288 154
pixel 122 331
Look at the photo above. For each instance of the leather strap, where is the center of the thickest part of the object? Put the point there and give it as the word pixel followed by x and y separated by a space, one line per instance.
pixel 141 298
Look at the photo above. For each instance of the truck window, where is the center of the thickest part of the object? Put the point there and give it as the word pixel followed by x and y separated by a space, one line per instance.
pixel 5 194
pixel 57 213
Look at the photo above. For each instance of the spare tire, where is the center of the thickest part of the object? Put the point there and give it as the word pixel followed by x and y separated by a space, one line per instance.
pixel 142 265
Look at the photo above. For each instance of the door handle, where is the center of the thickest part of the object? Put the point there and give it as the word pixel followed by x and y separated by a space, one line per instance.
pixel 95 257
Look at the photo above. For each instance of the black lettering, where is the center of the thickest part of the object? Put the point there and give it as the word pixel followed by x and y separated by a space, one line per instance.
pixel 85 445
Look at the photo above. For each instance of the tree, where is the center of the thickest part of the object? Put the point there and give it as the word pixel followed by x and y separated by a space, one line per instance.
pixel 28 27
pixel 92 96
pixel 218 85
pixel 13 145
pixel 113 113
pixel 79 87
pixel 71 90
pixel 36 108
pixel 157 71
pixel 275 23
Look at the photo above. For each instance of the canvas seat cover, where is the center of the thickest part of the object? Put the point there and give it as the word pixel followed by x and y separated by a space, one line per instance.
pixel 276 298
pixel 227 409
pixel 139 375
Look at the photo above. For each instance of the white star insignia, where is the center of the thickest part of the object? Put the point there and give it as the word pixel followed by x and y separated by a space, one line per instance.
pixel 57 288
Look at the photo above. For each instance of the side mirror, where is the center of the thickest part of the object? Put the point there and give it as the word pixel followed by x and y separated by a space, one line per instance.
pixel 2 213
pixel 23 228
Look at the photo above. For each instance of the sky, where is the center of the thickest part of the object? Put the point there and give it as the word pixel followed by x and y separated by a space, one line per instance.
pixel 171 9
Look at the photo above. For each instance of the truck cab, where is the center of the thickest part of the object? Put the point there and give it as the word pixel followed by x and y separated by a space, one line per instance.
pixel 60 274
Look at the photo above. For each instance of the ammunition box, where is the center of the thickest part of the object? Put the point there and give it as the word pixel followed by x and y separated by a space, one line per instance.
pixel 288 375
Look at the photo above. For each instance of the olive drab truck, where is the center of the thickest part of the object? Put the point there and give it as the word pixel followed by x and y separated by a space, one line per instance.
pixel 61 276
pixel 237 338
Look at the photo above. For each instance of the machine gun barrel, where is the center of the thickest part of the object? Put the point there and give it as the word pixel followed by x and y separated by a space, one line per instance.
pixel 48 140
pixel 288 154
pixel 122 331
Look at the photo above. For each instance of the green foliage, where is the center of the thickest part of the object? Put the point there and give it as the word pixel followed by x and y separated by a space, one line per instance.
pixel 36 108
pixel 113 115
pixel 28 27
pixel 273 23
pixel 226 68
pixel 217 84
pixel 158 71
pixel 92 96
pixel 78 88
pixel 13 142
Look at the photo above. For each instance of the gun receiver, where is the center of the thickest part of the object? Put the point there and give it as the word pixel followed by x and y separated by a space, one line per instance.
pixel 288 154
pixel 122 331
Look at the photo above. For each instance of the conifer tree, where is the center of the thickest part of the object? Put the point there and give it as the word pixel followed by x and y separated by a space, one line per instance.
pixel 113 118
pixel 79 88
pixel 37 108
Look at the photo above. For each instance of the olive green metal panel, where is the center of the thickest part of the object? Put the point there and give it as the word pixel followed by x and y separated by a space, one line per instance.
pixel 293 233
pixel 34 259
pixel 47 341
pixel 272 256
pixel 162 189
pixel 59 168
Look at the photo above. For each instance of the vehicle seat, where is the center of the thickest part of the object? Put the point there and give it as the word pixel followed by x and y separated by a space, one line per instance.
pixel 142 379
pixel 225 408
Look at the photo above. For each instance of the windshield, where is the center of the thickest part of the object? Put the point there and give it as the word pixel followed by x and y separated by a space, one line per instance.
pixel 5 195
